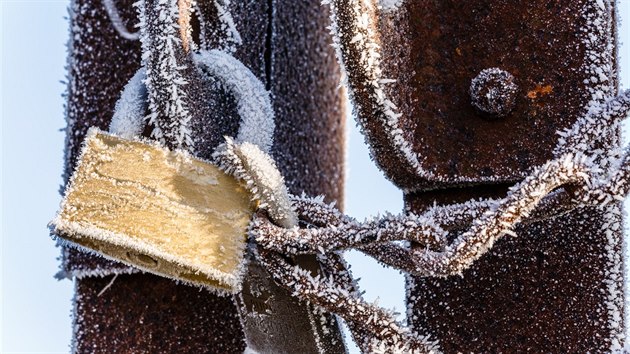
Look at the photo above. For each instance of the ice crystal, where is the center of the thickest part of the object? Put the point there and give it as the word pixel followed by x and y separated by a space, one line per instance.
pixel 227 22
pixel 166 79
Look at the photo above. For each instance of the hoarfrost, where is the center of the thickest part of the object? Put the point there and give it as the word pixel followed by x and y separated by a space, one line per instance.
pixel 246 157
pixel 373 328
pixel 390 5
pixel 599 34
pixel 128 120
pixel 228 24
pixel 252 99
pixel 490 220
pixel 538 196
pixel 166 79
pixel 258 171
pixel 356 39
pixel 117 22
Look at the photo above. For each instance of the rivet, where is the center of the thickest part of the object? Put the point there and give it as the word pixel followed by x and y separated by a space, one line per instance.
pixel 493 92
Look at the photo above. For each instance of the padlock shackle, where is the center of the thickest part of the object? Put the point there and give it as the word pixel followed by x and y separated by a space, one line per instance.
pixel 253 101
pixel 129 120
pixel 117 22
pixel 176 80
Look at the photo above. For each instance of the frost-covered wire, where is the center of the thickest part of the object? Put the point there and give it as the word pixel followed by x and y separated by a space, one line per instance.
pixel 334 266
pixel 612 189
pixel 119 26
pixel 571 180
pixel 166 62
pixel 594 125
pixel 334 231
pixel 437 258
pixel 497 222
pixel 350 234
pixel 376 330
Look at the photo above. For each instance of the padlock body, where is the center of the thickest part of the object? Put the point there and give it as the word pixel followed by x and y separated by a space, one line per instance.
pixel 162 211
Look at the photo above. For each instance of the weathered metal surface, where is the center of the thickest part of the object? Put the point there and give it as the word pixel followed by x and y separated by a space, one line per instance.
pixel 554 288
pixel 560 54
pixel 557 287
pixel 144 313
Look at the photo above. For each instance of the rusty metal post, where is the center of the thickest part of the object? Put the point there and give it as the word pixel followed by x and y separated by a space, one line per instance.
pixel 469 97
pixel 287 47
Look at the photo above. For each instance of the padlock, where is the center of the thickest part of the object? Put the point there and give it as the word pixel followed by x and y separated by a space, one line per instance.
pixel 206 245
pixel 162 211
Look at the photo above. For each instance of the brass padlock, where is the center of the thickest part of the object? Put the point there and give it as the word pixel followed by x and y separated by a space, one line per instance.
pixel 162 211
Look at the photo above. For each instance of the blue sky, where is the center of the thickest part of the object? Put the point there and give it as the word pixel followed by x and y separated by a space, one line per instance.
pixel 35 308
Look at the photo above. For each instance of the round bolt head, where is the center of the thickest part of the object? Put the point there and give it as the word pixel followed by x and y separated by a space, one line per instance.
pixel 493 92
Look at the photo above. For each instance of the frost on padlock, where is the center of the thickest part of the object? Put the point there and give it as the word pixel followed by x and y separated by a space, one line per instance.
pixel 162 211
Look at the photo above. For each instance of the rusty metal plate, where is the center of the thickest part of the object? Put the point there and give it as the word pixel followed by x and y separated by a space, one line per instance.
pixel 410 71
